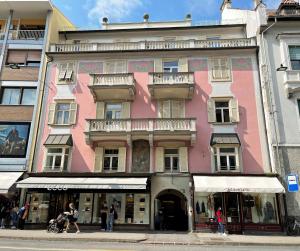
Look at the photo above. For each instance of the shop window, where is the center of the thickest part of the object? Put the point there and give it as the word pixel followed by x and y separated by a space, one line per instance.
pixel 295 57
pixel 85 208
pixel 226 158
pixel 220 69
pixel 18 96
pixel 170 66
pixel 111 159
pixel 57 159
pixel 113 111
pixel 171 158
pixel 260 208
pixel 39 207
pixel 129 208
pixel 232 208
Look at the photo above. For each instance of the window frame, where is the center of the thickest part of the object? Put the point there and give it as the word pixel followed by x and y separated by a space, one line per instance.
pixel 26 63
pixel 289 46
pixel 110 156
pixel 56 113
pixel 171 67
pixel 21 95
pixel 171 156
pixel 63 155
pixel 227 67
pixel 217 158
pixel 69 73
pixel 114 111
pixel 222 111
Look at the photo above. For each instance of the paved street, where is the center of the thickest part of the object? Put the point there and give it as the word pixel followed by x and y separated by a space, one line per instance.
pixel 27 245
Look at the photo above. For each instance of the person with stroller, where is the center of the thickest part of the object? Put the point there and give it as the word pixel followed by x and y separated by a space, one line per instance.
pixel 72 217
pixel 57 225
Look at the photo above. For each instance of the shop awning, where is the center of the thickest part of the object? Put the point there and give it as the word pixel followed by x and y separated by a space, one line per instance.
pixel 224 138
pixel 248 184
pixel 61 139
pixel 7 179
pixel 52 183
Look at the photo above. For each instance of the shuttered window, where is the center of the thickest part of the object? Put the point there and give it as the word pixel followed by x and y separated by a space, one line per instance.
pixel 171 109
pixel 116 66
pixel 223 111
pixel 66 73
pixel 295 57
pixel 24 57
pixel 220 69
pixel 62 113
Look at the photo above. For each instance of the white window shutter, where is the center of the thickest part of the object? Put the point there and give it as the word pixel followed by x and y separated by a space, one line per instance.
pixel 122 160
pixel 234 110
pixel 183 159
pixel 166 109
pixel 100 107
pixel 211 112
pixel 98 166
pixel 120 66
pixel 159 109
pixel 158 66
pixel 183 65
pixel 125 114
pixel 51 114
pixel 178 109
pixel 73 113
pixel 62 71
pixel 159 159
pixel 109 67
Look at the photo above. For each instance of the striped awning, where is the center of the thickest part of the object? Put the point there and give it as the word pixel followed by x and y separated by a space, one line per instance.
pixel 59 139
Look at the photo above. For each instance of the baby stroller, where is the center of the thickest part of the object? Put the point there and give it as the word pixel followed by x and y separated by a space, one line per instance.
pixel 57 225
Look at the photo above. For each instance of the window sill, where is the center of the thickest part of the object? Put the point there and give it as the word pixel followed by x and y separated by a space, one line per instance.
pixel 223 123
pixel 228 172
pixel 220 80
pixel 60 125
pixel 17 105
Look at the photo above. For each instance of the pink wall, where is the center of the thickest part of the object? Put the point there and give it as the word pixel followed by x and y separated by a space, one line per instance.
pixel 142 107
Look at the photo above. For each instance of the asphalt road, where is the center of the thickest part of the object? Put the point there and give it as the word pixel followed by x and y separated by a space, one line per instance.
pixel 27 245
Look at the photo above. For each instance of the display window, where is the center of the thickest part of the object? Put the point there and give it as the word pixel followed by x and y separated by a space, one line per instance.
pixel 39 205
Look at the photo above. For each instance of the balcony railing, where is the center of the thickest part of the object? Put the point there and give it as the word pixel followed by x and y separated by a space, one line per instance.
pixel 26 34
pixel 142 125
pixel 172 78
pixel 291 82
pixel 153 45
pixel 112 79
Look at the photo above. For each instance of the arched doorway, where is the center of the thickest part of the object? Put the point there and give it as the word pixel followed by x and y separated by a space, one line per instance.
pixel 170 211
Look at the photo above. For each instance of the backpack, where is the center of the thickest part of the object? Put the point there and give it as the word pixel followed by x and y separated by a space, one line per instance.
pixel 76 214
pixel 115 215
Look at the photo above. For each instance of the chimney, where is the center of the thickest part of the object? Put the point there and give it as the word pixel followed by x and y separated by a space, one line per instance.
pixel 226 4
pixel 146 17
pixel 104 23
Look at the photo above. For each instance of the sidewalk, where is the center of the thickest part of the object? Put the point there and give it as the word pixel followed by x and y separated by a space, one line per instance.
pixel 154 238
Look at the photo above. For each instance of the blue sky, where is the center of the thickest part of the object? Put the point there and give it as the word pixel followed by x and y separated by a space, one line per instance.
pixel 87 13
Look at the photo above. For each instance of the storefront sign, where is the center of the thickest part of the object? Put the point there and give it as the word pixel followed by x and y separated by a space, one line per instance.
pixel 236 190
pixel 293 183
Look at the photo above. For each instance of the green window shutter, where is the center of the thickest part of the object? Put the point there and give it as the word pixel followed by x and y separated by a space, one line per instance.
pixel 73 113
pixel 98 166
pixel 51 114
pixel 159 159
pixel 183 159
pixel 100 107
pixel 234 110
pixel 122 160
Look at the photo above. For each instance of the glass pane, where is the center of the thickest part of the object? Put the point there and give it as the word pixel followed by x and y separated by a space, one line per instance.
pixel 175 163
pixel 63 107
pixel 28 97
pixel 295 64
pixel 223 163
pixel 11 96
pixel 227 150
pixel 108 115
pixel 232 162
pixel 49 161
pixel 106 163
pixel 226 115
pixel 114 163
pixel 232 208
pixel 67 151
pixel 117 115
pixel 59 117
pixel 294 52
pixel 219 115
pixel 57 162
pixel 66 117
pixel 55 150
pixel 221 104
pixel 129 208
pixel 171 151
pixel 65 167
pixel 167 163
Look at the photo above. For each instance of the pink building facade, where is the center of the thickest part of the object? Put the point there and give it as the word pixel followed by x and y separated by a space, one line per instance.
pixel 164 123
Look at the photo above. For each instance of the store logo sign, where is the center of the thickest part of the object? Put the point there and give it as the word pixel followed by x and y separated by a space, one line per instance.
pixel 56 187
pixel 293 183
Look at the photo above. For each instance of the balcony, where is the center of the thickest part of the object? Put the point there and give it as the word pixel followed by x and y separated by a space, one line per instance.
pixel 153 45
pixel 161 129
pixel 291 82
pixel 169 85
pixel 26 34
pixel 119 86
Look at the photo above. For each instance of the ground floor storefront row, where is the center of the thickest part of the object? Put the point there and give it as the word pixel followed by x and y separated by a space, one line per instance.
pixel 160 202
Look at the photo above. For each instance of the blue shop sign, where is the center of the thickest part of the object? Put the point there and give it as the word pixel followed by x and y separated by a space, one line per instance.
pixel 293 183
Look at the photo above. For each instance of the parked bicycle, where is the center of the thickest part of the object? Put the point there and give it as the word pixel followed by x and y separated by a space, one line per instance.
pixel 292 226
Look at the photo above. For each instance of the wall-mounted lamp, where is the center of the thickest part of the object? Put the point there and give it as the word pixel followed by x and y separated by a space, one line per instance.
pixel 14 66
pixel 281 68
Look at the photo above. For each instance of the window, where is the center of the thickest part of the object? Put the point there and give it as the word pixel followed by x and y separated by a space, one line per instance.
pixel 111 159
pixel 170 66
pixel 171 157
pixel 222 111
pixel 24 58
pixel 57 159
pixel 112 67
pixel 62 114
pixel 295 57
pixel 298 101
pixel 18 96
pixel 171 109
pixel 226 158
pixel 220 70
pixel 66 73
pixel 113 111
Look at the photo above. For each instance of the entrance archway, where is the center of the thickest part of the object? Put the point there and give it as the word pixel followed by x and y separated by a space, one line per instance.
pixel 170 211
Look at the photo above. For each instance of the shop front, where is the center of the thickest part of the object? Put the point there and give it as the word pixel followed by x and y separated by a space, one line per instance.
pixel 9 194
pixel 248 203
pixel 48 197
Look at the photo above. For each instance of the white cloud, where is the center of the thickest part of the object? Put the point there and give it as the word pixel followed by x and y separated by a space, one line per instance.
pixel 115 10
pixel 272 4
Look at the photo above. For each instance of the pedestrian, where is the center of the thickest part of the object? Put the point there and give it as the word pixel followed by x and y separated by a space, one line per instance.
pixel 14 217
pixel 103 216
pixel 220 220
pixel 72 217
pixel 111 218
pixel 3 214
pixel 22 215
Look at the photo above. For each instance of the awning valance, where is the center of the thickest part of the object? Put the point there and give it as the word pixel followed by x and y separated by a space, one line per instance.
pixel 224 138
pixel 60 139
pixel 7 179
pixel 52 183
pixel 245 184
